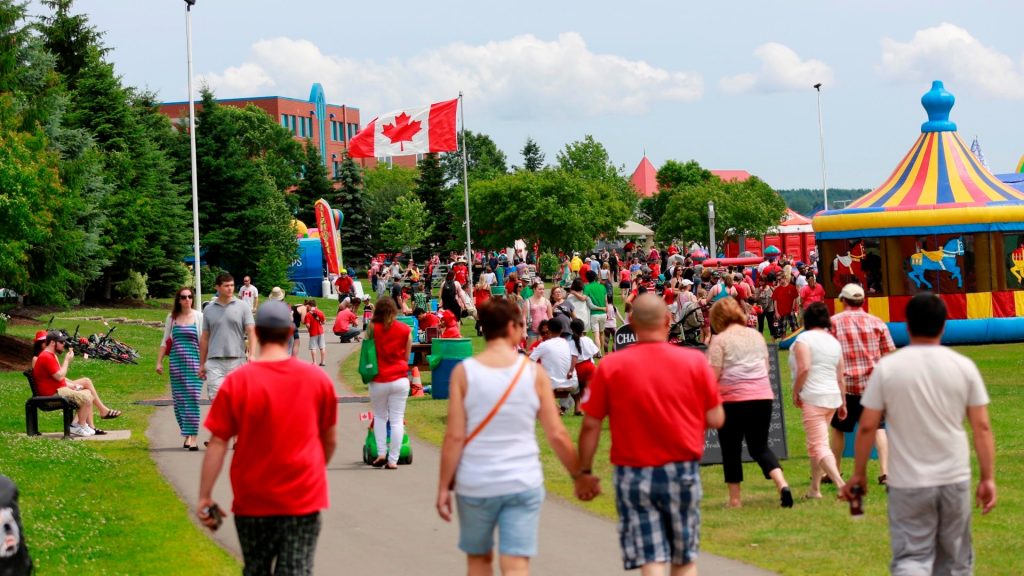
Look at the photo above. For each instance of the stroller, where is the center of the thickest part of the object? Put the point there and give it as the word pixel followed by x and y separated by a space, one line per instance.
pixel 687 321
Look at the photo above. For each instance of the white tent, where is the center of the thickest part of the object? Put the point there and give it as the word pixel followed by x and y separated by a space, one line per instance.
pixel 631 228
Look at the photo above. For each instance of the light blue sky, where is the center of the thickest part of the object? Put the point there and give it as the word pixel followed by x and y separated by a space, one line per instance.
pixel 725 83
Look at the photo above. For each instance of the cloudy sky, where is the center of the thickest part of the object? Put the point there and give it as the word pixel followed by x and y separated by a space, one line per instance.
pixel 726 83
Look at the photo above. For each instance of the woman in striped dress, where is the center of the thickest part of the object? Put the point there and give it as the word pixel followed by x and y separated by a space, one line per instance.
pixel 182 330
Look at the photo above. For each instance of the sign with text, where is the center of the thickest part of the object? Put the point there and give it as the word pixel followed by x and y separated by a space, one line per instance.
pixel 624 337
pixel 777 427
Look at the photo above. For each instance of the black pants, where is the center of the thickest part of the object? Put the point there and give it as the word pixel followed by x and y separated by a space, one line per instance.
pixel 279 545
pixel 748 420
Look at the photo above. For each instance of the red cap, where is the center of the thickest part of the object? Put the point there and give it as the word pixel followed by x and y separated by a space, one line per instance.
pixel 41 335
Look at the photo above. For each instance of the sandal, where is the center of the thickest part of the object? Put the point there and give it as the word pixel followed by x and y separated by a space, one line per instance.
pixel 786 497
pixel 391 467
pixel 379 462
pixel 111 414
pixel 99 432
pixel 883 479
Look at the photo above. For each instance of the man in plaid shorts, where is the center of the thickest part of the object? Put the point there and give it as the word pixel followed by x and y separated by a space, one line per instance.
pixel 660 400
pixel 865 339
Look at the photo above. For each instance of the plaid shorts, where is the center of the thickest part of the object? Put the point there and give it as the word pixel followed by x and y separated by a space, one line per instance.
pixel 659 513
pixel 278 544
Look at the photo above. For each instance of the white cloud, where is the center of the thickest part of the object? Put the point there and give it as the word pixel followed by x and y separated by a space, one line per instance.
pixel 520 78
pixel 949 52
pixel 781 70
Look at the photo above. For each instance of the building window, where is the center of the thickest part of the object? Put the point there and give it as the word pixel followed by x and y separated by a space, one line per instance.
pixel 337 169
pixel 284 120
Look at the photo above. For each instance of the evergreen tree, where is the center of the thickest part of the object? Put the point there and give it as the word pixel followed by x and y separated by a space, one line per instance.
pixel 431 190
pixel 533 158
pixel 355 232
pixel 314 185
pixel 244 220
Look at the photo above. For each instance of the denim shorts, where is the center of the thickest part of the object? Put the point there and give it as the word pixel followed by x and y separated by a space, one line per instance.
pixel 516 516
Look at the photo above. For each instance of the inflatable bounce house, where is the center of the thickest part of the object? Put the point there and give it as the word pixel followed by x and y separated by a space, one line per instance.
pixel 941 222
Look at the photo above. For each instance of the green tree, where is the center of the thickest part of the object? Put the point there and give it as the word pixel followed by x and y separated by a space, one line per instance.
pixel 314 185
pixel 671 176
pixel 741 208
pixel 244 159
pixel 533 158
pixel 355 232
pixel 381 189
pixel 484 160
pixel 408 226
pixel 588 158
pixel 431 189
pixel 561 210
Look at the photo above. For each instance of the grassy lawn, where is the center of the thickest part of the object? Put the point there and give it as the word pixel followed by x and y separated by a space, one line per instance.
pixel 815 537
pixel 102 507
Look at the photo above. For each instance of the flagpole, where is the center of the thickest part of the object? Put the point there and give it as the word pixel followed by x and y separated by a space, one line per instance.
pixel 465 185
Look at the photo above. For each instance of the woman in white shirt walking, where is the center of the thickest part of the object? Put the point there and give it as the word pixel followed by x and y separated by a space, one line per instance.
pixel 490 455
pixel 816 360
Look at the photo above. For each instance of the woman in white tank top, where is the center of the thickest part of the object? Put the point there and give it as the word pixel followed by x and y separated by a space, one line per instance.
pixel 490 456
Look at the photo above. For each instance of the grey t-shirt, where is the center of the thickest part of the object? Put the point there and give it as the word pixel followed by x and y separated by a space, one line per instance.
pixel 924 392
pixel 226 326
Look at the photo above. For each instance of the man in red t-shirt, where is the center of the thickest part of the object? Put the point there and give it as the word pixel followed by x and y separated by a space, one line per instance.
pixel 785 296
pixel 811 293
pixel 279 475
pixel 346 323
pixel 344 285
pixel 660 399
pixel 50 376
pixel 314 322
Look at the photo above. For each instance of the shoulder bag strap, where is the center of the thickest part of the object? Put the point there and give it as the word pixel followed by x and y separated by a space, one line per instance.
pixel 490 416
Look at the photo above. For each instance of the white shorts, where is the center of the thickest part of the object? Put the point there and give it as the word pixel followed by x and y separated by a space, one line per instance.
pixel 317 342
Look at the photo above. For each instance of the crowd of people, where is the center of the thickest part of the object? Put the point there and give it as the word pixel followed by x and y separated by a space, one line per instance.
pixel 548 355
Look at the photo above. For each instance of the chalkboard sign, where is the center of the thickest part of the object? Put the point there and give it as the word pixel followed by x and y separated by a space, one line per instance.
pixel 624 336
pixel 777 428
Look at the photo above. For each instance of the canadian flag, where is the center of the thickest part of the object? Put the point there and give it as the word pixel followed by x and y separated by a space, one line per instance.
pixel 406 132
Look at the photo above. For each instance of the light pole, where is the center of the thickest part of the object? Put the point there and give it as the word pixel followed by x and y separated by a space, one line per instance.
pixel 821 145
pixel 712 252
pixel 196 268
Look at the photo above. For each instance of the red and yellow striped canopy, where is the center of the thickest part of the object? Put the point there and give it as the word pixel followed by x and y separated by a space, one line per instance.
pixel 939 187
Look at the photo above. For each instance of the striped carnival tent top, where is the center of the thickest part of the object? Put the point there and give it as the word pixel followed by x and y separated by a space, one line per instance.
pixel 939 187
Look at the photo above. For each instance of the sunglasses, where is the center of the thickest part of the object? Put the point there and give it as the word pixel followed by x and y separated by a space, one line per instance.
pixel 185 297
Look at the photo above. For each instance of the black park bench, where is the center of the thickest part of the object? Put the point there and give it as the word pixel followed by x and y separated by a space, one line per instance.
pixel 46 404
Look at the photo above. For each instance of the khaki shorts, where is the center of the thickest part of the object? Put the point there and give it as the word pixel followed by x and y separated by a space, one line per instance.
pixel 77 397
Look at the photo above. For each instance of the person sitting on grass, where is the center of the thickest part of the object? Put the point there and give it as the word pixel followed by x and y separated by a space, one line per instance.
pixel 50 376
pixel 451 325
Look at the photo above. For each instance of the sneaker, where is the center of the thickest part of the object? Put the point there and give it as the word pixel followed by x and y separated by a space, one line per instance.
pixel 85 431
pixel 77 430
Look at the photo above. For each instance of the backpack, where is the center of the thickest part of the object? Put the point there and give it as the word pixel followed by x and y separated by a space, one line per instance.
pixel 448 291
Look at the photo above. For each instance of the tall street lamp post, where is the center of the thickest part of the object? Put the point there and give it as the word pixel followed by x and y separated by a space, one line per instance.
pixel 197 289
pixel 821 146
pixel 712 252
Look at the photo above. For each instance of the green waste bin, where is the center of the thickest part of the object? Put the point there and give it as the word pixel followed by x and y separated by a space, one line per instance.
pixel 449 349
pixel 498 291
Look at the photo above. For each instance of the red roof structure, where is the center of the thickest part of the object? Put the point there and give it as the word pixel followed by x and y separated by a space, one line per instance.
pixel 645 179
pixel 731 175
pixel 794 218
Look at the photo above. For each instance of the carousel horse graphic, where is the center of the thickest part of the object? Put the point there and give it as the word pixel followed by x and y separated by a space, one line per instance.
pixel 846 267
pixel 944 260
pixel 1017 257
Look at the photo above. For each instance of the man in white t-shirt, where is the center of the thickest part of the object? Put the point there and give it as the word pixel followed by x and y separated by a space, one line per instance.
pixel 557 357
pixel 925 390
pixel 249 294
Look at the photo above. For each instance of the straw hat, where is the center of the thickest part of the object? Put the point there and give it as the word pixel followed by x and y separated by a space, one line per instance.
pixel 276 293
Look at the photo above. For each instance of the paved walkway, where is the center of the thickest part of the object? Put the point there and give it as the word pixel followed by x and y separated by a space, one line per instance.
pixel 383 522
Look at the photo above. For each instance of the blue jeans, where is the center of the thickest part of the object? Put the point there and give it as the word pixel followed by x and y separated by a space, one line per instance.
pixel 516 516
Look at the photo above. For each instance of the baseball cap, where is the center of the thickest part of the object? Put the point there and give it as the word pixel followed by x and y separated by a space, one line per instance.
pixel 55 336
pixel 852 292
pixel 687 282
pixel 274 314
pixel 276 293
pixel 40 336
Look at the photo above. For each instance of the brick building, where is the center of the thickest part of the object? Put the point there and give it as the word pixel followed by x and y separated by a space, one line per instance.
pixel 329 126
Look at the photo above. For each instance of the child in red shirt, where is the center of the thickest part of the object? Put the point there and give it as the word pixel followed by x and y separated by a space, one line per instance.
pixel 451 325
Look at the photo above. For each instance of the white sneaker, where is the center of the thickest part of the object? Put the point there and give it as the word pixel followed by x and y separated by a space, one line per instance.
pixel 79 430
pixel 87 430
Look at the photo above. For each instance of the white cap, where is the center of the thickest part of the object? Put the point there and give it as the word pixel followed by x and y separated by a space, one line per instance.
pixel 687 282
pixel 852 292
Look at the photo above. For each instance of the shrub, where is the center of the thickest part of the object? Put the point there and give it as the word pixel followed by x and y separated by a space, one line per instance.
pixel 548 265
pixel 133 287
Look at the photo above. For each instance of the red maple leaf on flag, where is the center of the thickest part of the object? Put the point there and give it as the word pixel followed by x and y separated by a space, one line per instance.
pixel 401 130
